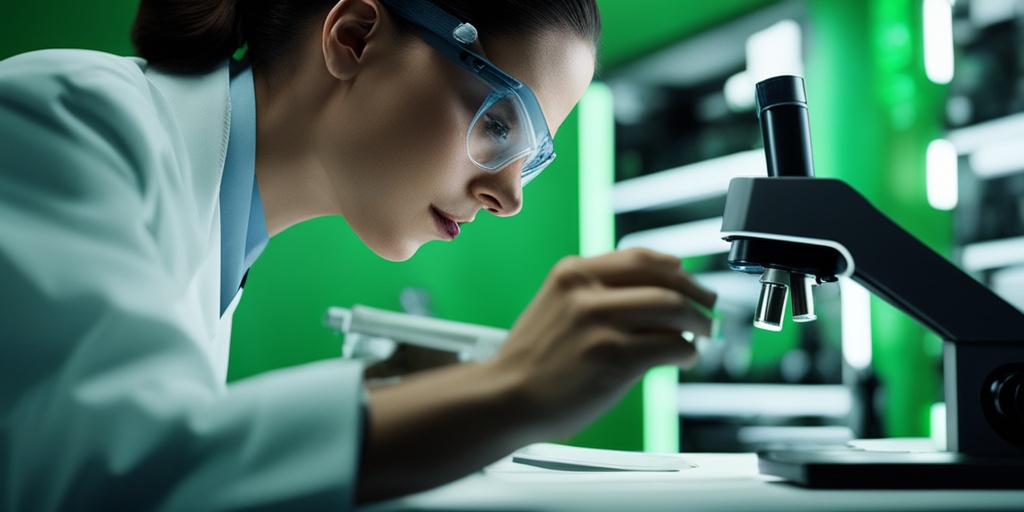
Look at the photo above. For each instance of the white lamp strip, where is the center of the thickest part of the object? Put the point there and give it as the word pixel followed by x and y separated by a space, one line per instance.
pixel 701 180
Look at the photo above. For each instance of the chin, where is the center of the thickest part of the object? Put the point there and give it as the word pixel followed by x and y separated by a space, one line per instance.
pixel 391 246
pixel 394 251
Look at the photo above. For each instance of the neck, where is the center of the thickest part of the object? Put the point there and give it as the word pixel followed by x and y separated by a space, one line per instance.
pixel 293 183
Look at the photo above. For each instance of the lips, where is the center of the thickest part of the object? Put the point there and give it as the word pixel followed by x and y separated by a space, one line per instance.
pixel 448 227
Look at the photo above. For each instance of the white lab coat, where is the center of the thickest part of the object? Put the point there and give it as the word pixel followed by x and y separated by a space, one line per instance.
pixel 113 355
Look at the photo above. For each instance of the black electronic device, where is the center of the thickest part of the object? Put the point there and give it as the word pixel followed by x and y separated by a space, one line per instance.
pixel 795 229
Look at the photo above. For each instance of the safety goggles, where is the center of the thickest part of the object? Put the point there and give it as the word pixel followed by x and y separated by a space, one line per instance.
pixel 509 124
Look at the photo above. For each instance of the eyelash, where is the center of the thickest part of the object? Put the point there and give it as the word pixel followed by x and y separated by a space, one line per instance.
pixel 497 128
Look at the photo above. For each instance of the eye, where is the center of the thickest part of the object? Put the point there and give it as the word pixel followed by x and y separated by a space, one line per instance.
pixel 497 128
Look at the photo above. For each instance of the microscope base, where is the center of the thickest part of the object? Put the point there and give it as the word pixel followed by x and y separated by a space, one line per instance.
pixel 857 469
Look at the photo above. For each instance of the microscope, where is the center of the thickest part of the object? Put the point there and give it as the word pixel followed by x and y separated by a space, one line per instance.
pixel 796 231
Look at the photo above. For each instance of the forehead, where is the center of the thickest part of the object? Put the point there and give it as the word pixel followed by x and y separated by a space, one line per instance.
pixel 557 67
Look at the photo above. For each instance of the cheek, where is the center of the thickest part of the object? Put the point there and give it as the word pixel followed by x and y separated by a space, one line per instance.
pixel 432 135
pixel 402 135
pixel 422 149
pixel 404 150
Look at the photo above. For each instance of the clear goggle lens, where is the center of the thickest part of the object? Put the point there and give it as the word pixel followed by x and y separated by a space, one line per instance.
pixel 503 132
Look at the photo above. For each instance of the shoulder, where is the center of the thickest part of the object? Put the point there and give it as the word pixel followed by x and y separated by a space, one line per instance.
pixel 78 89
pixel 92 105
pixel 54 74
pixel 56 60
pixel 71 111
pixel 75 121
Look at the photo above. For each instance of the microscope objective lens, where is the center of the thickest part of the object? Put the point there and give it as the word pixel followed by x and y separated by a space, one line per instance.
pixel 771 304
pixel 803 300
pixel 771 307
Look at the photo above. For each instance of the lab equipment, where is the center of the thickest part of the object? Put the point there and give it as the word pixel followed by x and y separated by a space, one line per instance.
pixel 791 222
pixel 510 123
pixel 372 334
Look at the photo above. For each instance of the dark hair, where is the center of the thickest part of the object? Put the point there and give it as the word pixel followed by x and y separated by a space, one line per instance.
pixel 195 36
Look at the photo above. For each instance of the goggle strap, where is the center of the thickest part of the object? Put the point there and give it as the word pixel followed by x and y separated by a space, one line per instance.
pixel 440 22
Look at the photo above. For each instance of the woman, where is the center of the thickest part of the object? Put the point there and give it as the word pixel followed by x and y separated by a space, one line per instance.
pixel 135 193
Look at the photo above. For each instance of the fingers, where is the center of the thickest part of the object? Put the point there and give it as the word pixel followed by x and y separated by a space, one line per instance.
pixel 642 267
pixel 685 283
pixel 661 349
pixel 646 309
pixel 697 322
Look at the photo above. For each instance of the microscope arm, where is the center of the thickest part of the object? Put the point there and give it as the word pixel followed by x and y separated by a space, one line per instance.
pixel 880 255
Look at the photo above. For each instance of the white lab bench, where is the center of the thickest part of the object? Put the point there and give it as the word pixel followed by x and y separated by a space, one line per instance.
pixel 720 482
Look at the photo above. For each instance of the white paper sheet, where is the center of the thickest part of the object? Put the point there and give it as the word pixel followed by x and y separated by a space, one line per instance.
pixel 571 458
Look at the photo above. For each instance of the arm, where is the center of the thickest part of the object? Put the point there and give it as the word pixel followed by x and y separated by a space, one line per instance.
pixel 593 329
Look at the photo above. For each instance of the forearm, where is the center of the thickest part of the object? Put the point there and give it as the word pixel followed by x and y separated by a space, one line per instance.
pixel 438 426
pixel 595 326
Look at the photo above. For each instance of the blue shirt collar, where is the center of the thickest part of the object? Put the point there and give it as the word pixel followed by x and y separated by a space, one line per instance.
pixel 243 226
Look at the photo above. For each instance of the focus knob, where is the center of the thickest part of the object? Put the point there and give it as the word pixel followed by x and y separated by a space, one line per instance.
pixel 1008 396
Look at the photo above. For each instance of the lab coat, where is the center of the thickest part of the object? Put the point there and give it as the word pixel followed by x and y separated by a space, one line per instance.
pixel 113 352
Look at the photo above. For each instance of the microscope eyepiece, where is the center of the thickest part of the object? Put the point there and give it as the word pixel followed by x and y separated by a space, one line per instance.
pixel 780 90
pixel 785 129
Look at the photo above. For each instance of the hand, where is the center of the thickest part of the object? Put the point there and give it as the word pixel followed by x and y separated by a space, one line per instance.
pixel 594 328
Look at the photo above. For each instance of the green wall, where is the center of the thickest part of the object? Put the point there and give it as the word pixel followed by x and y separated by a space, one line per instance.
pixel 873 113
pixel 633 28
pixel 27 25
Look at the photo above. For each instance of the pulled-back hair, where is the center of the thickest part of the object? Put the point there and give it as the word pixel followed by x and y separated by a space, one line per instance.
pixel 195 36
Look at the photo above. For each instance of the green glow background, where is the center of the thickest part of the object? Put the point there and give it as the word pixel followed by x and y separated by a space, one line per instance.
pixel 873 113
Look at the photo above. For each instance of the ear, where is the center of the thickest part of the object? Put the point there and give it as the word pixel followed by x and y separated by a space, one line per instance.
pixel 346 30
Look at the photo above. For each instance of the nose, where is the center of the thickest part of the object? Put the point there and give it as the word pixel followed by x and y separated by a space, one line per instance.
pixel 500 193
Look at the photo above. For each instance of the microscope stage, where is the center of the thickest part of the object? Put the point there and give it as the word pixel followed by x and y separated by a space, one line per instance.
pixel 841 468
